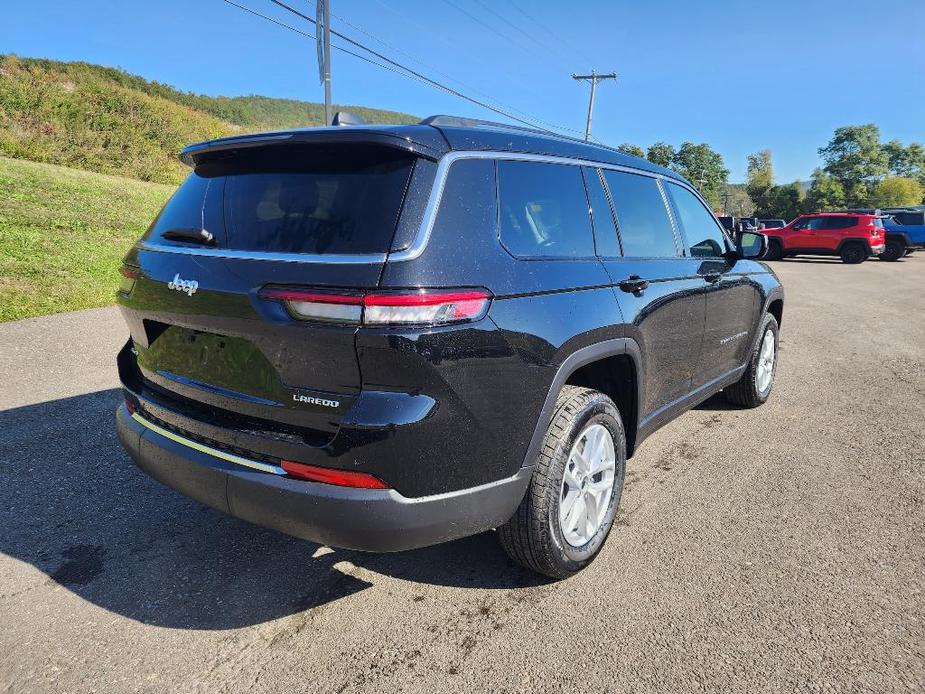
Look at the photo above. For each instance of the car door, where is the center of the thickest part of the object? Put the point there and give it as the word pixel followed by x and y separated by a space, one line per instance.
pixel 805 234
pixel 662 302
pixel 731 295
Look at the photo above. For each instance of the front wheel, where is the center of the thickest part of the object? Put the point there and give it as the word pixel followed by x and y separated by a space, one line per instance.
pixel 775 250
pixel 894 251
pixel 570 505
pixel 754 388
pixel 853 253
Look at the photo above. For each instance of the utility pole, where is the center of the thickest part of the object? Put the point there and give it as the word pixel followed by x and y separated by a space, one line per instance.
pixel 328 116
pixel 593 78
pixel 323 49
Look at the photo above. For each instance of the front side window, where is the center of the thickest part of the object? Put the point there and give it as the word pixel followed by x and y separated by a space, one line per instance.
pixel 809 223
pixel 543 210
pixel 642 218
pixel 703 233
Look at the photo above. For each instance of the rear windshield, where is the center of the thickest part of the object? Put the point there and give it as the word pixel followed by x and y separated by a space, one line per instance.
pixel 878 222
pixel 332 200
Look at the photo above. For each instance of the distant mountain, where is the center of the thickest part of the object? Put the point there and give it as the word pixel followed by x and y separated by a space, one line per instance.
pixel 106 120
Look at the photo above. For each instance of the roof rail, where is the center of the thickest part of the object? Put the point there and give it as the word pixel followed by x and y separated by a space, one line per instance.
pixel 461 122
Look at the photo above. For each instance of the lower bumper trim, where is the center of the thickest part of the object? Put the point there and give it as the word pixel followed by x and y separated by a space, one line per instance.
pixel 376 520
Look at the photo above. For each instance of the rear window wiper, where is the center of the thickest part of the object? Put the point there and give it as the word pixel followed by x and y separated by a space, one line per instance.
pixel 202 236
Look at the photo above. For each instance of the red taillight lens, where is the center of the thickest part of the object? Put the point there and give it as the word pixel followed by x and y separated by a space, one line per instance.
pixel 424 308
pixel 421 307
pixel 341 478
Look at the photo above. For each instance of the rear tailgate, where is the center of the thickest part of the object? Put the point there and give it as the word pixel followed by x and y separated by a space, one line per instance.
pixel 316 216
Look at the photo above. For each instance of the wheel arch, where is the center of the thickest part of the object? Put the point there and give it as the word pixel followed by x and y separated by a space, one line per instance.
pixel 612 367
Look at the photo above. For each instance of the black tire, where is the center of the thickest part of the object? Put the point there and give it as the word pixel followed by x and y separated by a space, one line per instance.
pixel 745 392
pixel 894 250
pixel 775 250
pixel 533 536
pixel 853 253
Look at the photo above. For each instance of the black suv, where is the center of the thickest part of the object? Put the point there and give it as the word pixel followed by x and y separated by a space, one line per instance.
pixel 381 338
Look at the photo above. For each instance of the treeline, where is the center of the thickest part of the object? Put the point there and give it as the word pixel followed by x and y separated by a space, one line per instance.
pixel 858 171
pixel 698 163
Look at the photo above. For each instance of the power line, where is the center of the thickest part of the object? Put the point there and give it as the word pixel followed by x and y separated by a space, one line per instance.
pixel 555 36
pixel 511 24
pixel 415 73
pixel 478 20
pixel 488 97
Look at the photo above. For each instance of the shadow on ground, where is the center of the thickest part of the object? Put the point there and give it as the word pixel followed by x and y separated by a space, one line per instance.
pixel 74 506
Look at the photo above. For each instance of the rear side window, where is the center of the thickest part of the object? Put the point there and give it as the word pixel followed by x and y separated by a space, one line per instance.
pixel 645 228
pixel 543 210
pixel 309 199
pixel 833 223
pixel 700 226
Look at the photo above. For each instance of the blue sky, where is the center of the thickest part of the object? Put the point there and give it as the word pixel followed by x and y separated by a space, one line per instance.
pixel 741 76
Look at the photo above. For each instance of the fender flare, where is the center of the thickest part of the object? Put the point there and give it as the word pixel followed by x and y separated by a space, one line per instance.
pixel 901 235
pixel 581 357
pixel 854 239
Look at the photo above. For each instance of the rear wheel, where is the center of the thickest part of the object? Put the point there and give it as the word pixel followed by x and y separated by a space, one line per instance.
pixel 775 250
pixel 570 505
pixel 894 251
pixel 754 388
pixel 853 253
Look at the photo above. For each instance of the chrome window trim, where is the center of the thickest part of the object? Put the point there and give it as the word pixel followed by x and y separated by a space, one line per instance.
pixel 327 258
pixel 447 160
pixel 422 237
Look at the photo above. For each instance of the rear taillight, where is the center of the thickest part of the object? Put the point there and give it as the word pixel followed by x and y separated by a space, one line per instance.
pixel 418 307
pixel 341 478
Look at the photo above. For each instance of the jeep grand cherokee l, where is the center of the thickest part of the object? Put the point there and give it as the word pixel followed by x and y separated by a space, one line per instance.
pixel 381 338
pixel 852 236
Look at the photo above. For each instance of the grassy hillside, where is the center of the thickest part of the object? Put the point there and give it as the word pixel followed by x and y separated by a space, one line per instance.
pixel 63 234
pixel 105 120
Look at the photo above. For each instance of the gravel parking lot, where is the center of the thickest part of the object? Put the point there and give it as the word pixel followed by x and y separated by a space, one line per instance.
pixel 773 550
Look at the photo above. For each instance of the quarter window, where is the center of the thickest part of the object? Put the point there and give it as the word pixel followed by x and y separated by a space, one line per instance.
pixel 700 227
pixel 543 210
pixel 645 228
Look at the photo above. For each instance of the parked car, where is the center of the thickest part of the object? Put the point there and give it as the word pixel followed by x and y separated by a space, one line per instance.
pixel 905 232
pixel 852 237
pixel 730 224
pixel 772 223
pixel 381 338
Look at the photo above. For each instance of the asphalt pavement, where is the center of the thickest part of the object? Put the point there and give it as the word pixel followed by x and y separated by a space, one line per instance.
pixel 780 549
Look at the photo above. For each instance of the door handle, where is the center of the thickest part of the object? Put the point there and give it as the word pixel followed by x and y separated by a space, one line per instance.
pixel 634 285
pixel 712 277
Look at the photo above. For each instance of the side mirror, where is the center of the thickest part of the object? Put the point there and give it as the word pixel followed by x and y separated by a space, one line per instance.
pixel 751 245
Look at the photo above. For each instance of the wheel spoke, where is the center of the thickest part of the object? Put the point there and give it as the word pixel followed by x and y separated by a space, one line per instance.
pixel 575 513
pixel 571 479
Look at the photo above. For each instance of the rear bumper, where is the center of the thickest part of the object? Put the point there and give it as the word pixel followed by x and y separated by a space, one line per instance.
pixel 362 519
pixel 877 250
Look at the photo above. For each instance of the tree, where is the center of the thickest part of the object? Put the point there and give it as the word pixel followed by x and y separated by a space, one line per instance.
pixel 786 201
pixel 661 153
pixel 760 181
pixel 896 191
pixel 703 167
pixel 856 159
pixel 908 162
pixel 635 150
pixel 825 193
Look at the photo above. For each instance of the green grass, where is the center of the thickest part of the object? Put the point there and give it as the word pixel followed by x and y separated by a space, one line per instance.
pixel 106 120
pixel 63 234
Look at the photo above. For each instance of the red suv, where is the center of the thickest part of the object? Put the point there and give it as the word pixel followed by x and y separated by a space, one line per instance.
pixel 853 237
